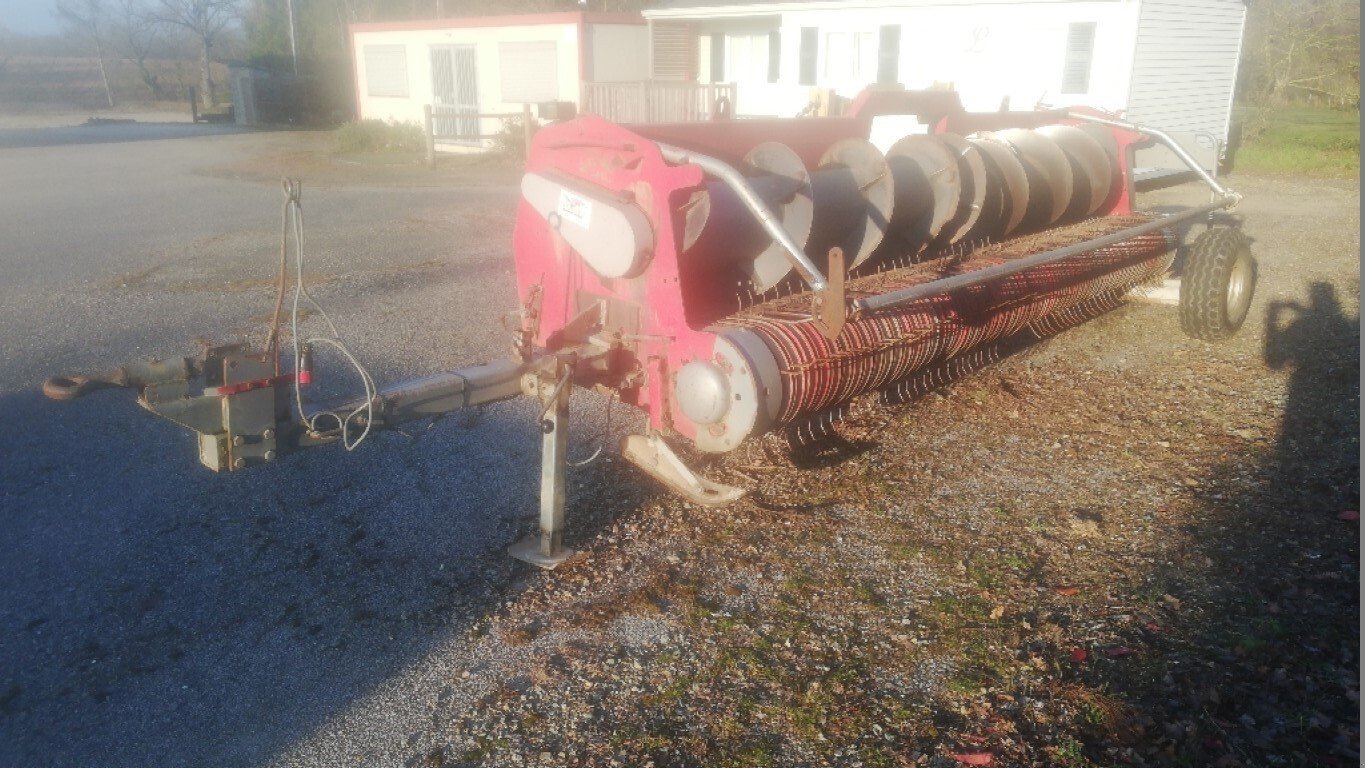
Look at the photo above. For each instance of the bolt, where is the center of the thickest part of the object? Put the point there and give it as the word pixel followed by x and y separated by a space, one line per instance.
pixel 269 434
pixel 238 440
pixel 238 464
pixel 269 455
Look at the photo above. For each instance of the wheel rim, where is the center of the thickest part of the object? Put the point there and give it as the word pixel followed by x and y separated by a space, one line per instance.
pixel 1239 289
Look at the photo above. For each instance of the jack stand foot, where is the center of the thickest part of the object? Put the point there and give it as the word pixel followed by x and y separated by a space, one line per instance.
pixel 528 550
pixel 651 454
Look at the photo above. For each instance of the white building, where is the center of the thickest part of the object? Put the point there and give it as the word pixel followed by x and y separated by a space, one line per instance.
pixel 1172 63
pixel 490 65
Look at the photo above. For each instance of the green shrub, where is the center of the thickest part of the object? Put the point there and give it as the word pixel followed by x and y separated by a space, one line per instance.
pixel 511 140
pixel 362 136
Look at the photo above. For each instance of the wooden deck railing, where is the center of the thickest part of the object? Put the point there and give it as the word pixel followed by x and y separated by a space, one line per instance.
pixel 656 101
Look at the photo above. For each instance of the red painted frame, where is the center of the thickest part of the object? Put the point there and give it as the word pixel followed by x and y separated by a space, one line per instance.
pixel 625 162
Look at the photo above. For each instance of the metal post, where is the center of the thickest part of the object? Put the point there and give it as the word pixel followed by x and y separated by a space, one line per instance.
pixel 546 548
pixel 429 128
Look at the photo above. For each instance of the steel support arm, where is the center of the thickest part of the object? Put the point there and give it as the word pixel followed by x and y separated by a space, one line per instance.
pixel 443 393
pixel 1015 266
pixel 233 400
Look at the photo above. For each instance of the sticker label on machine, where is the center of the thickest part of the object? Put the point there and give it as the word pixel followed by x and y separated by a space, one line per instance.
pixel 575 208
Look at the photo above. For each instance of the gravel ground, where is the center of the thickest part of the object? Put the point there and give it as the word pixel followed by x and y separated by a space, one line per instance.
pixel 1120 546
pixel 155 613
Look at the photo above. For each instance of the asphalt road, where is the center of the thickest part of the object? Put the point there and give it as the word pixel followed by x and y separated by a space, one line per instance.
pixel 154 613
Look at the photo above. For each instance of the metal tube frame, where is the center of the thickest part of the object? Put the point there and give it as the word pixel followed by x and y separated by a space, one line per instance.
pixel 735 180
pixel 956 282
pixel 1171 144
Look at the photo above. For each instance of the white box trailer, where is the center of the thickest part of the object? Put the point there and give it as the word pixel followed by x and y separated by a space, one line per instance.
pixel 1170 63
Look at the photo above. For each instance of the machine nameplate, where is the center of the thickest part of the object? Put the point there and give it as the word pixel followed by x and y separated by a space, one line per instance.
pixel 575 208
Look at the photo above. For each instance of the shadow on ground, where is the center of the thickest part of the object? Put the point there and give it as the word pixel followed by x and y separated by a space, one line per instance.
pixel 158 614
pixel 1262 666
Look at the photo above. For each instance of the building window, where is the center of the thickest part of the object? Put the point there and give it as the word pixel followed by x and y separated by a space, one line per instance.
pixel 1080 52
pixel 386 70
pixel 810 44
pixel 774 56
pixel 850 57
pixel 838 56
pixel 718 58
pixel 529 71
pixel 889 55
pixel 747 58
pixel 673 51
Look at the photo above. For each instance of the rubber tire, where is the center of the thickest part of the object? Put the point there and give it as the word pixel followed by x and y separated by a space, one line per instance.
pixel 1204 310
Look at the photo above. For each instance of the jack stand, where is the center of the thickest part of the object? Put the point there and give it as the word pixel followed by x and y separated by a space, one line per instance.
pixel 546 549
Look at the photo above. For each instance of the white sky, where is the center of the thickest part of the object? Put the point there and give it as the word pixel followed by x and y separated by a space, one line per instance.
pixel 27 17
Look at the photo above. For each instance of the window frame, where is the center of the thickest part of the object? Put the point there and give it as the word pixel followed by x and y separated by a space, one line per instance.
pixel 372 49
pixel 1075 80
pixel 889 58
pixel 775 56
pixel 809 55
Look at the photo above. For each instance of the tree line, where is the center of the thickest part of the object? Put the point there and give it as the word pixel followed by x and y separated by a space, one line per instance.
pixel 136 30
pixel 1301 51
pixel 1294 51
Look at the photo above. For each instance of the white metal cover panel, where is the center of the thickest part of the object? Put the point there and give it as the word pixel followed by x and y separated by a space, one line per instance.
pixel 618 53
pixel 1185 64
pixel 386 70
pixel 529 71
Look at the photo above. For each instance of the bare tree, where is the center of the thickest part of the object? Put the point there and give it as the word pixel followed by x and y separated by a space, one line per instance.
pixel 205 20
pixel 1298 48
pixel 89 20
pixel 138 33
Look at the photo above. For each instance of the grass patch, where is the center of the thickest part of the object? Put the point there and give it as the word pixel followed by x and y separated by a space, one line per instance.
pixel 368 136
pixel 1316 142
pixel 1070 754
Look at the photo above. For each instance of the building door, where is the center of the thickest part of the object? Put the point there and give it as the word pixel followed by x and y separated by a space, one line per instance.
pixel 455 93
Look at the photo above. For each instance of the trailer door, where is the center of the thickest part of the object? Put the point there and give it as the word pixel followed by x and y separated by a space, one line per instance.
pixel 455 93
